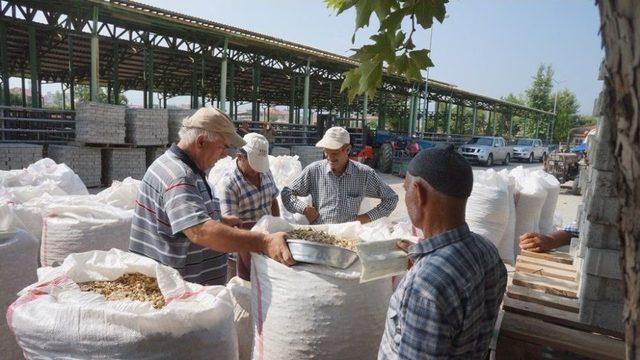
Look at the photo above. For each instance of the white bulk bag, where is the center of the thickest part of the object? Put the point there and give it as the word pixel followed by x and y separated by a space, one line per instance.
pixel 60 174
pixel 488 209
pixel 53 319
pixel 240 291
pixel 24 193
pixel 68 229
pixel 552 185
pixel 18 265
pixel 510 230
pixel 121 194
pixel 301 314
pixel 530 200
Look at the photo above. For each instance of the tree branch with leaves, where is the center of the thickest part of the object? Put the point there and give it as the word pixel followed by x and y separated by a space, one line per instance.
pixel 392 48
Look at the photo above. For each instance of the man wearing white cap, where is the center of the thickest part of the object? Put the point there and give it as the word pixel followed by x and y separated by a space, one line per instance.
pixel 337 186
pixel 249 191
pixel 177 220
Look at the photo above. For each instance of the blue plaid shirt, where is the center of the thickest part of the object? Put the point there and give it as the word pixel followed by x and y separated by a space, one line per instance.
pixel 238 197
pixel 572 229
pixel 447 304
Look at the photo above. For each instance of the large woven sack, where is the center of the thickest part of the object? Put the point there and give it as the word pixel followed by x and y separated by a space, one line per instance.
pixel 69 229
pixel 53 319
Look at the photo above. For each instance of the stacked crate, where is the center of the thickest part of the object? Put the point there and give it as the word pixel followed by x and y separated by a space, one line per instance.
pixel 119 163
pixel 601 283
pixel 84 161
pixel 154 152
pixel 175 117
pixel 19 156
pixel 307 154
pixel 145 127
pixel 279 150
pixel 98 123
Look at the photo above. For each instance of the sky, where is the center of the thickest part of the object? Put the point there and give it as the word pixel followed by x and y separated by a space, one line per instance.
pixel 492 47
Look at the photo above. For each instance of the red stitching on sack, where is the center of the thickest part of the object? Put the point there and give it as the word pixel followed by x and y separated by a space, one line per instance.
pixel 183 296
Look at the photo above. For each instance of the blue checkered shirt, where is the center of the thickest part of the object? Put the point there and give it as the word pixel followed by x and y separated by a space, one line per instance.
pixel 239 197
pixel 338 198
pixel 447 304
pixel 572 229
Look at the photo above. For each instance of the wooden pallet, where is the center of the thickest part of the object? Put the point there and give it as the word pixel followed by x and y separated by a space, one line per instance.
pixel 543 291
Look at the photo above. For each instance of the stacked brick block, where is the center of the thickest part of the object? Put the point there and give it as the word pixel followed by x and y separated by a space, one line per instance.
pixel 119 163
pixel 175 121
pixel 152 153
pixel 19 156
pixel 84 161
pixel 279 150
pixel 146 127
pixel 598 256
pixel 307 154
pixel 99 123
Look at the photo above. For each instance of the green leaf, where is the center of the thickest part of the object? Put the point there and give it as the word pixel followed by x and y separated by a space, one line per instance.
pixel 421 58
pixel 399 40
pixel 371 76
pixel 364 8
pixel 410 45
pixel 399 65
pixel 393 21
pixel 426 10
pixel 413 72
pixel 382 8
pixel 351 80
pixel 340 5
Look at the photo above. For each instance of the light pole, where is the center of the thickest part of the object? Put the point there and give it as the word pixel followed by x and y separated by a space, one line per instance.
pixel 555 104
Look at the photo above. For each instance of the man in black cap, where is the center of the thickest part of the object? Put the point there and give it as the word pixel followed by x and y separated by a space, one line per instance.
pixel 447 304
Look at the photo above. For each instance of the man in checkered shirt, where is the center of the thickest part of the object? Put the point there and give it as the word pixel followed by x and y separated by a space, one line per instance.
pixel 249 191
pixel 446 305
pixel 337 186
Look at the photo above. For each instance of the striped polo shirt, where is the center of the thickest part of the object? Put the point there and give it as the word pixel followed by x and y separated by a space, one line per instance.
pixel 174 196
pixel 239 197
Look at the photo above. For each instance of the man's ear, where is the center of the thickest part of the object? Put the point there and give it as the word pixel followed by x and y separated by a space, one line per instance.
pixel 421 192
pixel 200 140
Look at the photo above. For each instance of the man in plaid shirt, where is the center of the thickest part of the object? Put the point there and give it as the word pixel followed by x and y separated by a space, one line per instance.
pixel 447 304
pixel 337 186
pixel 249 192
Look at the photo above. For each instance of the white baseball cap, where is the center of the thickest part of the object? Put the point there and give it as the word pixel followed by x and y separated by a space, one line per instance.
pixel 335 138
pixel 257 149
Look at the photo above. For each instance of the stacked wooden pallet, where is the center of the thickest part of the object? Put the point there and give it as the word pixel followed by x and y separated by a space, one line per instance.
pixel 545 284
pixel 542 313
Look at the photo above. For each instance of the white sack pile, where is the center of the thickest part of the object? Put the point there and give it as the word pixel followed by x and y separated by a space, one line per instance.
pixel 313 311
pixel 18 264
pixel 53 319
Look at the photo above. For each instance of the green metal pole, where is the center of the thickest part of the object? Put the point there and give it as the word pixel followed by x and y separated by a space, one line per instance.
pixel 194 86
pixel 305 99
pixel 33 61
pixel 203 93
pixel 365 110
pixel 115 75
pixel 254 92
pixel 24 90
pixel 72 81
pixel 223 77
pixel 449 117
pixel 538 126
pixel 330 98
pixel 95 56
pixel 232 90
pixel 6 96
pixel 149 76
pixel 292 99
pixel 510 123
pixel 475 117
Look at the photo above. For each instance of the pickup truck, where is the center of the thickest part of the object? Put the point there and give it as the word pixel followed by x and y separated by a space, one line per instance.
pixel 530 150
pixel 486 150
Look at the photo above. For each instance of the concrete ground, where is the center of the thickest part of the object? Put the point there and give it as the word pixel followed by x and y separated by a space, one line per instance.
pixel 567 203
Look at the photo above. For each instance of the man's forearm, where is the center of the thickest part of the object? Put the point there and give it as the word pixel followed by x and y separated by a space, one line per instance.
pixel 385 208
pixel 275 208
pixel 219 237
pixel 561 237
pixel 291 202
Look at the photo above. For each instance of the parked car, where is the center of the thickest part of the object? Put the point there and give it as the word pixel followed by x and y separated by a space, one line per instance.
pixel 530 150
pixel 486 150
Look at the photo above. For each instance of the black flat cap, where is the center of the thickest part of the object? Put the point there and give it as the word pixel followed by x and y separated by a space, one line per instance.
pixel 445 170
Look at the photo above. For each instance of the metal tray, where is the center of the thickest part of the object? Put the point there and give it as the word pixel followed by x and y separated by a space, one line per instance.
pixel 321 254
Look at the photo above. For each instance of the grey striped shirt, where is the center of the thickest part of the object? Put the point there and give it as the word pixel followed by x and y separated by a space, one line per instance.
pixel 338 198
pixel 174 196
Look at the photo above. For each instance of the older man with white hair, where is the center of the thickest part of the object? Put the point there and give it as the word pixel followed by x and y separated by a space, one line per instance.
pixel 177 220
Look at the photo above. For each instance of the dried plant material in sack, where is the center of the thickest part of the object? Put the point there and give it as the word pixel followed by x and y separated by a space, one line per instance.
pixel 136 286
pixel 323 238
